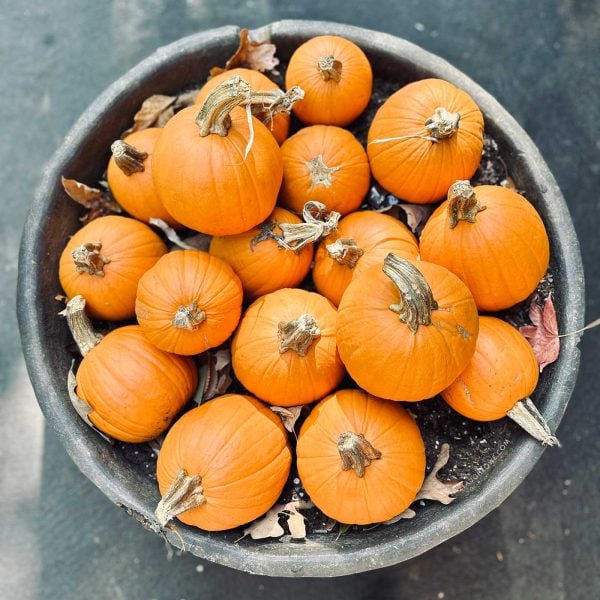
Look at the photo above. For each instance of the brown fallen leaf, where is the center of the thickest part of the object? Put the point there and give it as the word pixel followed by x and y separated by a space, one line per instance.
pixel 252 54
pixel 543 333
pixel 170 233
pixel 289 415
pixel 435 489
pixel 154 112
pixel 417 215
pixel 215 374
pixel 98 202
pixel 409 513
pixel 268 526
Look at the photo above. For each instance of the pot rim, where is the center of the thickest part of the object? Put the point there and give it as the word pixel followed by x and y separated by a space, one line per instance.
pixel 342 557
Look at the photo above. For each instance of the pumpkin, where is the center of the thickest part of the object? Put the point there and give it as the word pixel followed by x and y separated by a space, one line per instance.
pixel 222 464
pixel 189 302
pixel 498 380
pixel 284 350
pixel 220 174
pixel 134 390
pixel 362 239
pixel 425 136
pixel 493 239
pixel 336 77
pixel 278 124
pixel 129 176
pixel 361 459
pixel 104 261
pixel 260 262
pixel 407 331
pixel 326 164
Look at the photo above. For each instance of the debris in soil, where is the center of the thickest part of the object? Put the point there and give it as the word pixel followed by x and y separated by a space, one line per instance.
pixel 141 455
pixel 543 333
pixel 98 202
pixel 287 515
pixel 215 376
pixel 437 489
pixel 492 168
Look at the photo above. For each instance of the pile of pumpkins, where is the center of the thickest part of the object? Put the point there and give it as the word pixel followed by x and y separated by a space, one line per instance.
pixel 399 316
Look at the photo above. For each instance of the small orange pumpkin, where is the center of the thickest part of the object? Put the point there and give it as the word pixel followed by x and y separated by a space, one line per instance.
pixel 361 459
pixel 284 350
pixel 222 464
pixel 326 164
pixel 133 389
pixel 407 331
pixel 261 263
pixel 337 79
pixel 424 137
pixel 129 175
pixel 104 261
pixel 189 302
pixel 493 239
pixel 362 239
pixel 278 124
pixel 498 380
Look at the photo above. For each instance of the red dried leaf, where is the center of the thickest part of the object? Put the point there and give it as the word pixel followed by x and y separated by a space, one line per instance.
pixel 543 333
pixel 252 54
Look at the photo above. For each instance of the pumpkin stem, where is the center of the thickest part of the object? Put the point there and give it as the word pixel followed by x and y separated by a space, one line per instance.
pixel 442 124
pixel 462 203
pixel 184 494
pixel 298 334
pixel 214 114
pixel 128 158
pixel 416 298
pixel 525 414
pixel 345 252
pixel 329 68
pixel 87 259
pixel 356 452
pixel 188 317
pixel 320 173
pixel 80 325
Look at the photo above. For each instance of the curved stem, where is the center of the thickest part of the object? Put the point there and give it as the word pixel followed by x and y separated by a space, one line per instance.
pixel 330 68
pixel 87 259
pixel 416 298
pixel 298 335
pixel 462 203
pixel 356 452
pixel 188 317
pixel 525 414
pixel 128 158
pixel 345 252
pixel 80 326
pixel 183 494
pixel 442 124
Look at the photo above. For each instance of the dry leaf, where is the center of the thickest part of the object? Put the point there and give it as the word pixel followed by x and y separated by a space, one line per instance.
pixel 435 489
pixel 252 54
pixel 409 513
pixel 543 333
pixel 268 526
pixel 289 415
pixel 170 233
pixel 198 241
pixel 215 374
pixel 98 202
pixel 154 112
pixel 417 215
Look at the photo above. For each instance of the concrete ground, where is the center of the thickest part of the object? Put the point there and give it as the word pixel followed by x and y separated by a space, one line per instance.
pixel 61 538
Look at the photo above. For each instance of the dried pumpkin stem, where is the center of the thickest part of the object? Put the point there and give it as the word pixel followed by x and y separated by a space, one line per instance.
pixel 416 298
pixel 525 414
pixel 188 317
pixel 442 124
pixel 80 325
pixel 356 452
pixel 462 203
pixel 329 68
pixel 185 493
pixel 320 173
pixel 214 114
pixel 128 158
pixel 87 259
pixel 345 252
pixel 298 334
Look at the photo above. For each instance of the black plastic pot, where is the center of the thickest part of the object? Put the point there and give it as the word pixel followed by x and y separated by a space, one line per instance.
pixel 54 217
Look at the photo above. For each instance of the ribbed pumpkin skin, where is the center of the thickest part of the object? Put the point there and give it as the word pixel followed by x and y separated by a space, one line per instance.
pixel 132 248
pixel 279 126
pixel 377 234
pixel 266 266
pixel 381 353
pixel 134 389
pixel 135 192
pixel 330 102
pixel 342 190
pixel 205 182
pixel 501 257
pixel 419 170
pixel 182 278
pixel 503 371
pixel 389 484
pixel 286 379
pixel 239 448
